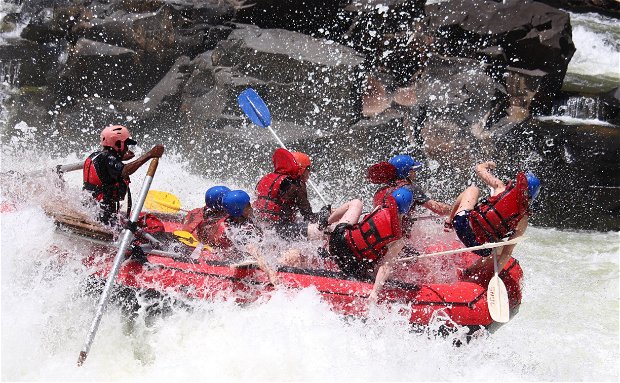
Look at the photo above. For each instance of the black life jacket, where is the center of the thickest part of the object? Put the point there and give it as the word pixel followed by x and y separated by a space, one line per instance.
pixel 97 180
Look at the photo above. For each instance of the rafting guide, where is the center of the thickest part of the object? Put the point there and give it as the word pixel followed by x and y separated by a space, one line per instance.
pixel 107 177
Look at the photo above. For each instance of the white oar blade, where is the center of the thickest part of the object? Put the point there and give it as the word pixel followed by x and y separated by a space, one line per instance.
pixel 497 299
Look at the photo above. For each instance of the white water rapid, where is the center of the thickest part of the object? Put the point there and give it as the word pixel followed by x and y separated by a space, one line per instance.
pixel 567 327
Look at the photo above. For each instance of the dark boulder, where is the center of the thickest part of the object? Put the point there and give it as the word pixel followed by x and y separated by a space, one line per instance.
pixel 24 63
pixel 312 17
pixel 532 35
pixel 461 102
pixel 159 110
pixel 392 34
pixel 306 81
pixel 97 68
pixel 578 166
pixel 609 8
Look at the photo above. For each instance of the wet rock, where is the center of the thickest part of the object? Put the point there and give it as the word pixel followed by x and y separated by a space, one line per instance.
pixel 160 107
pixel 305 80
pixel 312 17
pixel 578 166
pixel 97 68
pixel 605 7
pixel 527 92
pixel 24 63
pixel 603 107
pixel 533 36
pixel 393 34
pixel 461 102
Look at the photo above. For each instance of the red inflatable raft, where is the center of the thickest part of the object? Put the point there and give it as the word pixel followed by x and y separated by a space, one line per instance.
pixel 422 291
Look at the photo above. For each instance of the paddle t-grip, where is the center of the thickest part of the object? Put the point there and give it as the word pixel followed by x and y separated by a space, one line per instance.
pixel 152 167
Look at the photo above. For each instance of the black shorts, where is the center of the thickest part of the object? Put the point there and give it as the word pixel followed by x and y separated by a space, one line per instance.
pixel 292 230
pixel 344 257
pixel 466 234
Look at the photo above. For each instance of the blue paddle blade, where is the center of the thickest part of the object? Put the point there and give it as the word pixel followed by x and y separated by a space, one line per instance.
pixel 254 107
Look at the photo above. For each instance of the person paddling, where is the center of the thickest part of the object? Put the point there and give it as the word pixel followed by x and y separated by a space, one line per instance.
pixel 202 221
pixel 282 195
pixel 367 250
pixel 504 214
pixel 107 177
pixel 400 171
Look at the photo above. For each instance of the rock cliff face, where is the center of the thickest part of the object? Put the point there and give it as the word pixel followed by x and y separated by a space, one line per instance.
pixel 453 82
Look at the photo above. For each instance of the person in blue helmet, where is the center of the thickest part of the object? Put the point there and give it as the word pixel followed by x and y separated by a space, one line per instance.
pixel 503 215
pixel 367 250
pixel 236 232
pixel 400 171
pixel 201 222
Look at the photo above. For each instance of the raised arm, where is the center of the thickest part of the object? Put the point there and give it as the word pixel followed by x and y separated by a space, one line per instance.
pixel 156 152
pixel 437 207
pixel 483 171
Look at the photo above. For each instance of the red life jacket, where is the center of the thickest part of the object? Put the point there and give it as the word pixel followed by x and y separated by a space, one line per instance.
pixel 498 216
pixel 112 191
pixel 150 223
pixel 215 235
pixel 193 219
pixel 369 238
pixel 269 204
pixel 381 194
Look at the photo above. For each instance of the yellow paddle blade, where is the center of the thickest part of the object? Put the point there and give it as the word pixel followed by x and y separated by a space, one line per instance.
pixel 186 237
pixel 162 201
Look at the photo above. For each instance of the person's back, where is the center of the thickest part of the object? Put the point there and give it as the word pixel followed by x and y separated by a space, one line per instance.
pixel 273 203
pixel 368 239
pixel 368 249
pixel 497 217
pixel 102 176
pixel 282 196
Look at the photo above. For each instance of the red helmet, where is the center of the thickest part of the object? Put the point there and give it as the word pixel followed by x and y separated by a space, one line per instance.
pixel 302 160
pixel 116 137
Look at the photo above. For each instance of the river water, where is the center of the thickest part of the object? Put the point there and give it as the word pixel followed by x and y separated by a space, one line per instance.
pixel 567 328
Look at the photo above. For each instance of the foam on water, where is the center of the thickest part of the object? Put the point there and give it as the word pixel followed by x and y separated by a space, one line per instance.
pixel 567 328
pixel 568 120
pixel 598 51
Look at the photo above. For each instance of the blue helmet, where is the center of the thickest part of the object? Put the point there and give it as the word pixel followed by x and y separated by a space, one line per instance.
pixel 235 201
pixel 214 195
pixel 404 199
pixel 533 185
pixel 404 163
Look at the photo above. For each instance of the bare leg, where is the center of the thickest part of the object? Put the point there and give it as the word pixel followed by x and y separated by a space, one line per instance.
pixel 465 201
pixel 348 213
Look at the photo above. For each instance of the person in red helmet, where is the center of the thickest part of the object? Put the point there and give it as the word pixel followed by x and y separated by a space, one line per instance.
pixel 282 195
pixel 107 177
